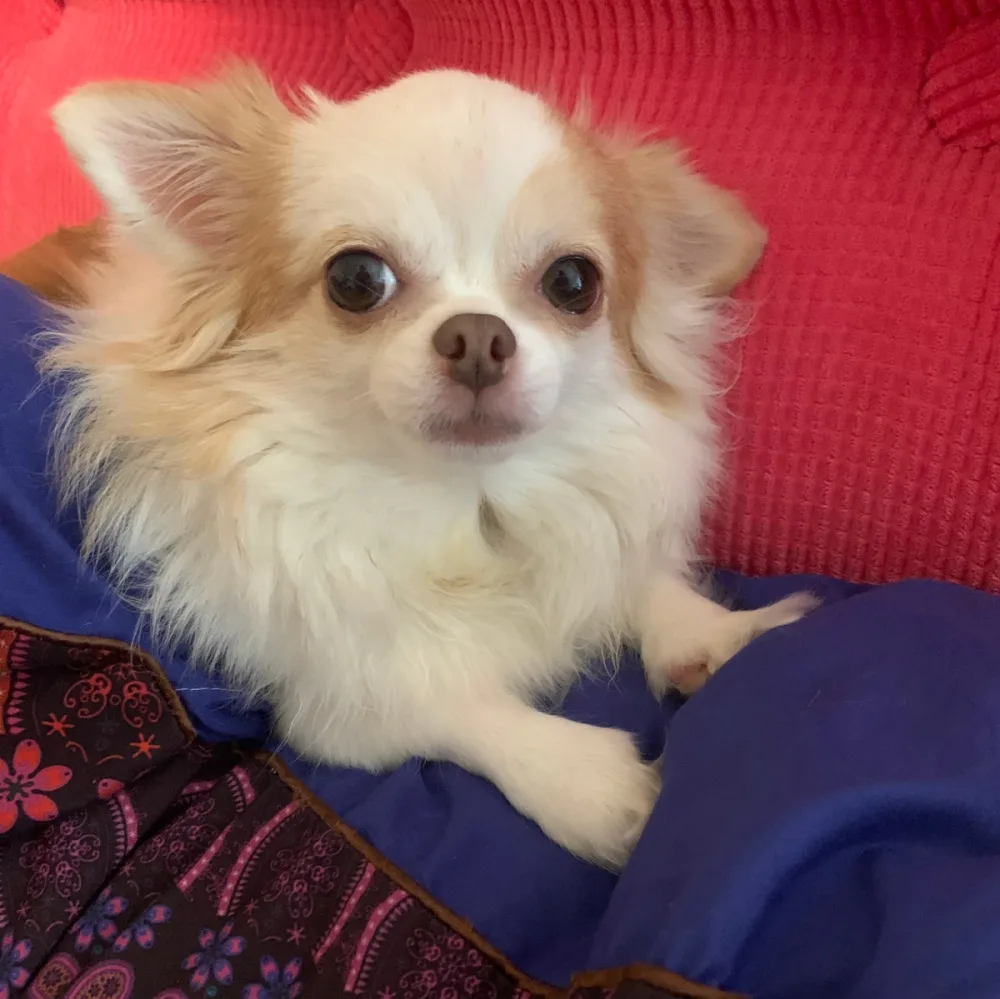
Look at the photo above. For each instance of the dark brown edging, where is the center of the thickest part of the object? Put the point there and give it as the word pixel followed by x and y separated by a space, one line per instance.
pixel 649 974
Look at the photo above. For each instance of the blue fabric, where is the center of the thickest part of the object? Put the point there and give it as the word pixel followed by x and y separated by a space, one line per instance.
pixel 830 821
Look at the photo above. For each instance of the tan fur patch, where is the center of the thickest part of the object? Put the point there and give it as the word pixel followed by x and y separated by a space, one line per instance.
pixel 706 236
pixel 222 195
pixel 663 222
pixel 559 193
pixel 620 208
pixel 230 278
pixel 54 267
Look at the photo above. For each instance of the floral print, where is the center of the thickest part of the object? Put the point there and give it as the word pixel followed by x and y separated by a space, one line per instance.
pixel 198 873
pixel 279 983
pixel 306 873
pixel 213 959
pixel 13 954
pixel 141 931
pixel 22 784
pixel 61 858
pixel 98 920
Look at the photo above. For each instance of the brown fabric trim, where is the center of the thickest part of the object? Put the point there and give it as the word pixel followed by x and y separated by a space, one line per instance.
pixel 649 974
pixel 166 687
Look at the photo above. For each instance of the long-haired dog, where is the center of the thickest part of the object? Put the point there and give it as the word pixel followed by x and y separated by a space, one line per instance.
pixel 398 410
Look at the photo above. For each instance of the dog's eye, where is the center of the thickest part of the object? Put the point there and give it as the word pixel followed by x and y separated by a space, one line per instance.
pixel 572 284
pixel 358 281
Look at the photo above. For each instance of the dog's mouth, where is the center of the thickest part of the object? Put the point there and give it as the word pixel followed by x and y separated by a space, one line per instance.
pixel 478 429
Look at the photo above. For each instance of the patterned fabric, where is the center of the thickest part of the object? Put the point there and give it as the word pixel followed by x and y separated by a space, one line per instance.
pixel 136 860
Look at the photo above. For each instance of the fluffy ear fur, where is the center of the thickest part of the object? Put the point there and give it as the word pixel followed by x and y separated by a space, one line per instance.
pixel 701 235
pixel 172 160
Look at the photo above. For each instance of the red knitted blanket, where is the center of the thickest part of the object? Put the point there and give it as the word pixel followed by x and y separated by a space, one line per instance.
pixel 863 415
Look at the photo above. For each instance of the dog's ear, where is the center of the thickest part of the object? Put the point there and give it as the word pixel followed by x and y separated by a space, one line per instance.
pixel 179 162
pixel 699 234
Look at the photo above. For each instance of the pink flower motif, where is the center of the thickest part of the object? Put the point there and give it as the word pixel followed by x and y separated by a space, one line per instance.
pixel 99 920
pixel 13 953
pixel 213 958
pixel 142 930
pixel 108 788
pixel 22 786
pixel 279 983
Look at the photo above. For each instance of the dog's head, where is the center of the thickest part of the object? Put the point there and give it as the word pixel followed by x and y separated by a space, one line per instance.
pixel 442 261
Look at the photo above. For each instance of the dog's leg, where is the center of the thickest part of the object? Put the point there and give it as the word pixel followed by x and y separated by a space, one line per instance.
pixel 685 637
pixel 586 786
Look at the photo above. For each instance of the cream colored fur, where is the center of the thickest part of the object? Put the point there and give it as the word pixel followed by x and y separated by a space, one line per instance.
pixel 256 469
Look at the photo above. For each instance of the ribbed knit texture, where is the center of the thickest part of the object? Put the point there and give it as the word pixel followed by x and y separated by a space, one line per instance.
pixel 963 85
pixel 864 417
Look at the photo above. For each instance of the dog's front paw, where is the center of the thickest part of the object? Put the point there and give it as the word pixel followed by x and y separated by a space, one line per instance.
pixel 589 790
pixel 683 654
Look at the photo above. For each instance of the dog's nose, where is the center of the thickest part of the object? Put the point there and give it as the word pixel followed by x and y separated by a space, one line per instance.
pixel 476 347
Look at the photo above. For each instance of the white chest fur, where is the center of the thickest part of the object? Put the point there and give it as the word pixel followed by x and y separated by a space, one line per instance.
pixel 344 587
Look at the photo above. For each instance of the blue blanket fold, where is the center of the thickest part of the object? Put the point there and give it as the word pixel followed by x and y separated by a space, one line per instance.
pixel 829 826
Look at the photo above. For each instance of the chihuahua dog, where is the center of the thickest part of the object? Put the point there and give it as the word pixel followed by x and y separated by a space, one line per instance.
pixel 399 410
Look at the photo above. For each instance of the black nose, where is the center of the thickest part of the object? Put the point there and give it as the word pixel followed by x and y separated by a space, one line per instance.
pixel 477 348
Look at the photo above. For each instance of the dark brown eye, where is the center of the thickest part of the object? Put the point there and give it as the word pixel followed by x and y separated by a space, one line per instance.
pixel 572 284
pixel 358 281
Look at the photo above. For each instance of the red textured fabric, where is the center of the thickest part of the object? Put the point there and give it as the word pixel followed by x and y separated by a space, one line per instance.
pixel 864 417
pixel 963 85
